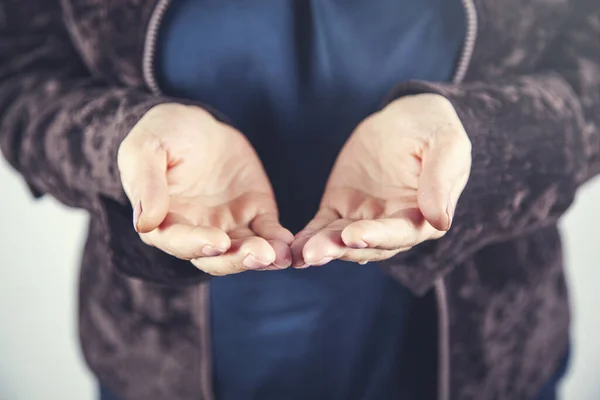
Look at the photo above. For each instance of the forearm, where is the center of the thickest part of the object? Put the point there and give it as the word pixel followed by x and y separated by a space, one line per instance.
pixel 63 134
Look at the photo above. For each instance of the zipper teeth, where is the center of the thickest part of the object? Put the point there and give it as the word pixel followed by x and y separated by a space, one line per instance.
pixel 469 44
pixel 443 341
pixel 205 342
pixel 150 45
pixel 148 71
pixel 440 290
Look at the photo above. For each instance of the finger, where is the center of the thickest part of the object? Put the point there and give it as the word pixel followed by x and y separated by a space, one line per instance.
pixel 401 230
pixel 324 217
pixel 188 242
pixel 445 171
pixel 281 249
pixel 326 244
pixel 249 253
pixel 283 254
pixel 296 249
pixel 143 167
pixel 364 256
pixel 267 226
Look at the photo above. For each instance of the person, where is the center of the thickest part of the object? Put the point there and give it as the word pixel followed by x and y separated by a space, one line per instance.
pixel 308 157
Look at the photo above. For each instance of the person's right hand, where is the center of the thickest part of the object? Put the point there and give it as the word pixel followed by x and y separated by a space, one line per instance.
pixel 200 193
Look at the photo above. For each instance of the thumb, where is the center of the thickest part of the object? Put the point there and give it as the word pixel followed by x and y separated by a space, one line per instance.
pixel 445 170
pixel 143 167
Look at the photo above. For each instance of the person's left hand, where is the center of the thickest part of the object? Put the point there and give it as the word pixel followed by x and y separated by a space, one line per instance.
pixel 395 184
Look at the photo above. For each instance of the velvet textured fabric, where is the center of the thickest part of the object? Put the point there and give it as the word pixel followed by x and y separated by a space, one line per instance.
pixel 72 86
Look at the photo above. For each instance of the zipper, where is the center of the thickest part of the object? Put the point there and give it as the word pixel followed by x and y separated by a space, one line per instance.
pixel 203 289
pixel 206 389
pixel 439 288
pixel 443 341
pixel 149 55
pixel 469 42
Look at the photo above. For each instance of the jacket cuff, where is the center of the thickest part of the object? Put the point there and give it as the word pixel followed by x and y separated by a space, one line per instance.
pixel 134 258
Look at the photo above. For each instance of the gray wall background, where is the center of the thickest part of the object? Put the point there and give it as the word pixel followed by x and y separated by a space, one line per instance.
pixel 40 243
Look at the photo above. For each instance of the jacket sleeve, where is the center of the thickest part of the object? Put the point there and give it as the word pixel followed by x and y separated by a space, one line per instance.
pixel 60 127
pixel 535 139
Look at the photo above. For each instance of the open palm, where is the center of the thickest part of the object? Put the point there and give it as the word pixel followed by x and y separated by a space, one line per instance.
pixel 395 184
pixel 200 192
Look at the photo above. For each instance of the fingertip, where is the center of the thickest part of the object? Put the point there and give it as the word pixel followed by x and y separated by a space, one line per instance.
pixel 297 256
pixel 212 242
pixel 146 222
pixel 449 216
pixel 309 252
pixel 283 256
pixel 441 222
pixel 151 209
pixel 365 234
pixel 322 261
pixel 210 251
pixel 137 211
pixel 286 236
pixel 313 253
pixel 352 235
pixel 436 209
pixel 267 226
pixel 261 249
pixel 297 248
pixel 221 241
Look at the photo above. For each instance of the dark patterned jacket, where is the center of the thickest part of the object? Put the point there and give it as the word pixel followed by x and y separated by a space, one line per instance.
pixel 75 76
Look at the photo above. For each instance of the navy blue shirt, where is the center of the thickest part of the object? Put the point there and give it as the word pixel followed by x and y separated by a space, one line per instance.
pixel 296 77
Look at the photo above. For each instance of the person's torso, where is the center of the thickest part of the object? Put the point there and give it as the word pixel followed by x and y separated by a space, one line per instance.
pixel 296 77
pixel 163 328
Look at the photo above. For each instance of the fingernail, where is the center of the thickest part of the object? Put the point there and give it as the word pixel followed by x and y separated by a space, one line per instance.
pixel 322 261
pixel 283 265
pixel 251 262
pixel 303 266
pixel 210 251
pixel 359 245
pixel 137 213
pixel 449 214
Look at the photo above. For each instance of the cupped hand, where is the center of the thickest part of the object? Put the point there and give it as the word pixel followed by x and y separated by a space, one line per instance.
pixel 200 193
pixel 395 184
